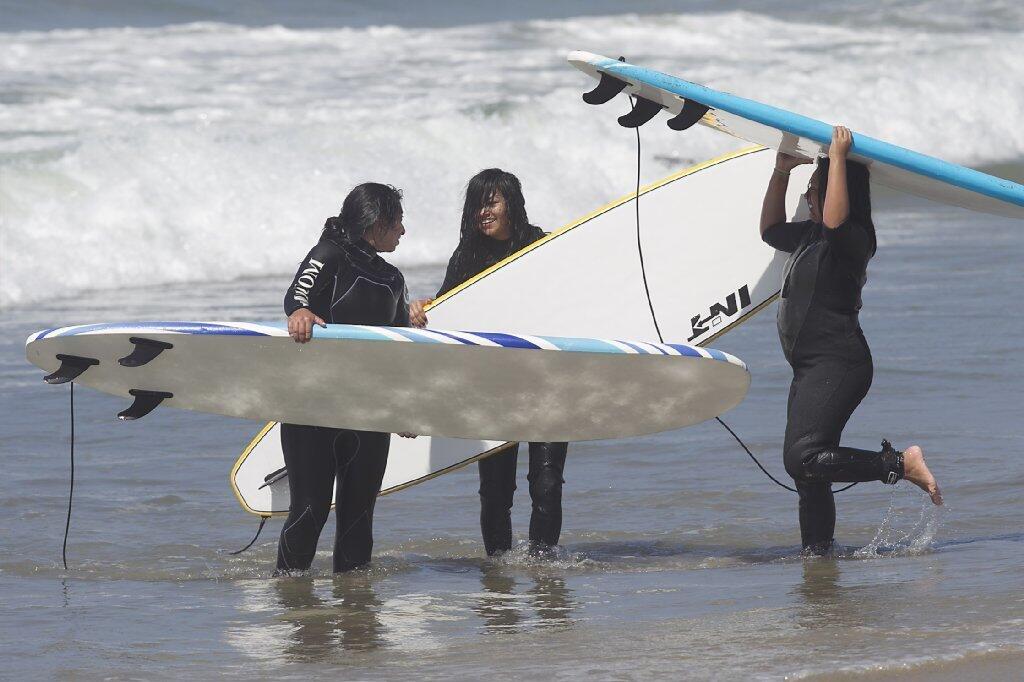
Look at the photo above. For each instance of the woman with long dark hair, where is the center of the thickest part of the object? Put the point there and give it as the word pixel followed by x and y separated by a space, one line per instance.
pixel 494 226
pixel 822 339
pixel 343 280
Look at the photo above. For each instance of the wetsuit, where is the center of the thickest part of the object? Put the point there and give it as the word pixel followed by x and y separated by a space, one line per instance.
pixel 342 283
pixel 498 472
pixel 832 369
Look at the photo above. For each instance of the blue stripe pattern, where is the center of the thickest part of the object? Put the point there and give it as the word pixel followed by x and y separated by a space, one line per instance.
pixel 367 333
pixel 507 340
pixel 638 349
pixel 803 126
pixel 690 351
pixel 453 336
pixel 716 354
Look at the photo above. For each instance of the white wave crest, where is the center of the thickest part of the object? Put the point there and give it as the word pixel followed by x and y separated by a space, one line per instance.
pixel 207 152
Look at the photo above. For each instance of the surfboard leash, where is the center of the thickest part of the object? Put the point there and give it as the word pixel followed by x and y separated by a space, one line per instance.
pixel 639 244
pixel 71 492
pixel 263 522
pixel 654 318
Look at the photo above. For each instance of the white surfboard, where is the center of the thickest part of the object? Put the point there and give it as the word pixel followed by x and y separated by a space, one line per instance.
pixel 792 133
pixel 706 267
pixel 437 383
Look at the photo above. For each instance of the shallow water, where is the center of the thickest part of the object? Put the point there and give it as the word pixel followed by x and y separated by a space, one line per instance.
pixel 677 554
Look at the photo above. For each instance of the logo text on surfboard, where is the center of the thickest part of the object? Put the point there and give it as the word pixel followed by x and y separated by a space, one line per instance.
pixel 701 325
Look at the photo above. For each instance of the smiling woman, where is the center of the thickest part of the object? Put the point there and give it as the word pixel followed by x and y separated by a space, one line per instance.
pixel 494 226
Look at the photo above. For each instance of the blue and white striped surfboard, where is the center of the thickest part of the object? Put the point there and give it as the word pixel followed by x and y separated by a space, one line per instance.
pixel 458 384
pixel 891 165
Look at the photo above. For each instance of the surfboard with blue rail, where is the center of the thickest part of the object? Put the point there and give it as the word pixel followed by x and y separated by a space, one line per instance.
pixel 478 385
pixel 795 134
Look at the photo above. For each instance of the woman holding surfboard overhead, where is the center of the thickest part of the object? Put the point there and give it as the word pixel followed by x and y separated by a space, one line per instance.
pixel 822 339
pixel 494 226
pixel 343 280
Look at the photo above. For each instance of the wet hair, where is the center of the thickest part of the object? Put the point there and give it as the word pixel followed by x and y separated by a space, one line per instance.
pixel 473 244
pixel 858 189
pixel 365 206
pixel 476 251
pixel 479 190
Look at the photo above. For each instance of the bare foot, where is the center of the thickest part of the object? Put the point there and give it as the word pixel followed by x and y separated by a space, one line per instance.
pixel 916 471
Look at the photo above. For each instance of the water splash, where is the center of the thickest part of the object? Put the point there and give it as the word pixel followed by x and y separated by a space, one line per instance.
pixel 557 557
pixel 897 536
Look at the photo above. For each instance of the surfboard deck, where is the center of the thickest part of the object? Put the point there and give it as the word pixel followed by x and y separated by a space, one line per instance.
pixel 891 165
pixel 397 379
pixel 707 271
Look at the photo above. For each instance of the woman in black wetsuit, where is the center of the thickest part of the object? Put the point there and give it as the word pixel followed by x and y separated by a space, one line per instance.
pixel 342 280
pixel 822 339
pixel 494 226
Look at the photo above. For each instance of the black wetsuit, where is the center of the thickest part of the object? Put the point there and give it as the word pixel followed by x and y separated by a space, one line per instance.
pixel 342 283
pixel 498 472
pixel 832 369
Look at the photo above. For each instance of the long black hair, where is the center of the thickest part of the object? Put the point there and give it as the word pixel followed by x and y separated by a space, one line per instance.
pixel 474 246
pixel 365 206
pixel 480 188
pixel 858 189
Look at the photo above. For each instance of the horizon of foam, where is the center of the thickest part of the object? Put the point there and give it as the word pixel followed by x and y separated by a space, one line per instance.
pixel 207 152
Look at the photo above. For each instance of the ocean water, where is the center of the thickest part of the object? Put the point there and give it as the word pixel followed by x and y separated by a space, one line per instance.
pixel 176 160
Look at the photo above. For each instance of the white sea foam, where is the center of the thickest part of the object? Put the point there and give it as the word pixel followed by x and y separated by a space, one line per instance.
pixel 205 152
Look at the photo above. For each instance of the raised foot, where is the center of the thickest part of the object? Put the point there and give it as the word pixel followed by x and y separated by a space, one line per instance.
pixel 916 471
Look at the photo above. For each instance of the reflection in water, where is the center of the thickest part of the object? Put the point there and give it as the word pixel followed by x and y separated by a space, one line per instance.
pixel 547 603
pixel 821 597
pixel 349 620
pixel 869 598
pixel 314 620
pixel 552 600
pixel 497 606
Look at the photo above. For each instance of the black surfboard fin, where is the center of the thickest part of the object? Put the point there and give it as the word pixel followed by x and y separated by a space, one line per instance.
pixel 273 477
pixel 691 113
pixel 71 366
pixel 145 351
pixel 643 112
pixel 145 402
pixel 606 88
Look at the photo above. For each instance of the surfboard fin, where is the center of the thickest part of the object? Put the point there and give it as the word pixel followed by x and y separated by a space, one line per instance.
pixel 71 366
pixel 691 113
pixel 607 87
pixel 145 402
pixel 643 112
pixel 273 477
pixel 145 351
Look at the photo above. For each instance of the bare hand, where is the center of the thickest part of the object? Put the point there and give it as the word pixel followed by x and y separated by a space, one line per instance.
pixel 406 434
pixel 842 139
pixel 785 163
pixel 300 325
pixel 417 317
